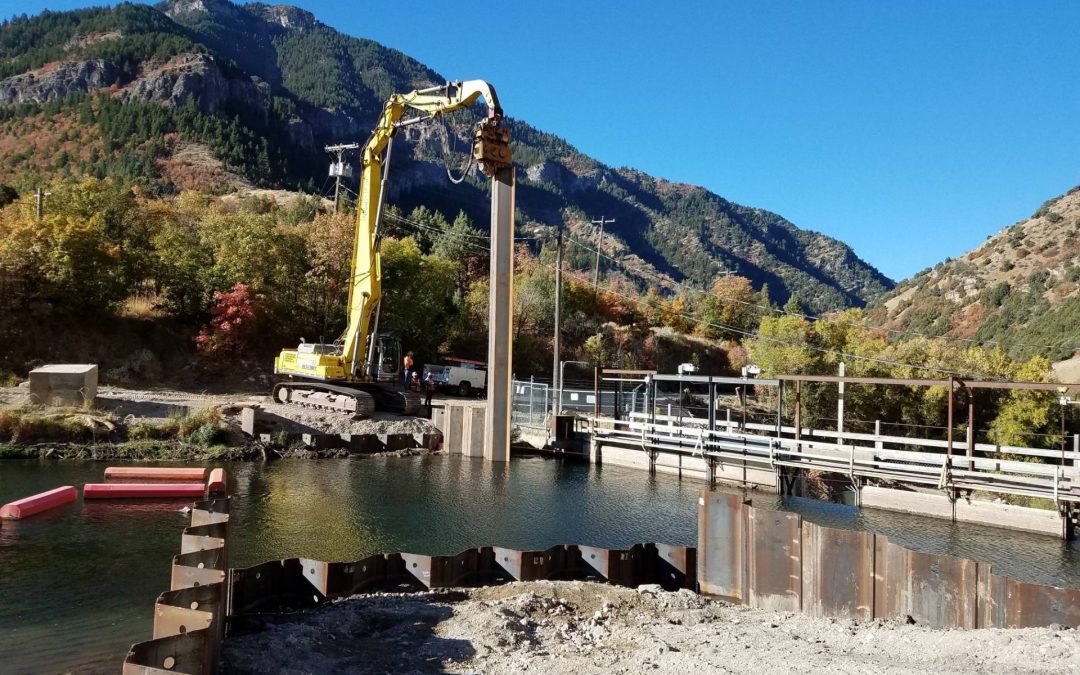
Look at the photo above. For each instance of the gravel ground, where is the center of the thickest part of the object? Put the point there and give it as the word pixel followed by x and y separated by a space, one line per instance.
pixel 159 404
pixel 580 628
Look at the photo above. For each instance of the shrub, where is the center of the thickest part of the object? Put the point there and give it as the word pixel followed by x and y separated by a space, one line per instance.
pixel 208 435
pixel 233 324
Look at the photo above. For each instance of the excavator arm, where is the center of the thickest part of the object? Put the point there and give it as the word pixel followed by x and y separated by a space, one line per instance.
pixel 491 149
pixel 354 364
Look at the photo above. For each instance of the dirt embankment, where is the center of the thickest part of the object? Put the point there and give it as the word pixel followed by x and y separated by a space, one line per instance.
pixel 579 628
pixel 153 424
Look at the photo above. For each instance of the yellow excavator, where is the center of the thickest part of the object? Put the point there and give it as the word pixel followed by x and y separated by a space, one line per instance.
pixel 361 372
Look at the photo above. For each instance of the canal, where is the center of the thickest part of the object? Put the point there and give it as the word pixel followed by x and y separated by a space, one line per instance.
pixel 77 586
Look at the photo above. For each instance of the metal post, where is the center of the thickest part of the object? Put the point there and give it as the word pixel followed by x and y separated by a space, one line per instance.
pixel 712 406
pixel 1064 400
pixel 879 444
pixel 556 376
pixel 742 408
pixel 798 416
pixel 1076 447
pixel 596 392
pixel 500 317
pixel 39 196
pixel 532 393
pixel 779 409
pixel 949 433
pixel 971 428
pixel 840 409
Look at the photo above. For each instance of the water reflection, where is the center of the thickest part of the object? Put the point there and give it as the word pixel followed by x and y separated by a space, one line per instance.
pixel 78 584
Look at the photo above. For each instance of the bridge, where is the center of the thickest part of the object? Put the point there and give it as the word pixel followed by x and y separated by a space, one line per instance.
pixel 708 427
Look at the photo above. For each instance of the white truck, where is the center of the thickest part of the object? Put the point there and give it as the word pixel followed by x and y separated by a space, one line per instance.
pixel 461 376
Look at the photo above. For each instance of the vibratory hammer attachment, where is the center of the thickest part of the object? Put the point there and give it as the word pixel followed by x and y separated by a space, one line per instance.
pixel 491 147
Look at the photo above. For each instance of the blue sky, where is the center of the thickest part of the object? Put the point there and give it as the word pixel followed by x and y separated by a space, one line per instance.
pixel 909 129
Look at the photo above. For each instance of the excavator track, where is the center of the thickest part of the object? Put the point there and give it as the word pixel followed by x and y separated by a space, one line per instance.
pixel 405 403
pixel 347 400
pixel 359 400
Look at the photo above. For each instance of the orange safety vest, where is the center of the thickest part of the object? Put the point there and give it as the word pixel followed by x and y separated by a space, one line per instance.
pixel 408 362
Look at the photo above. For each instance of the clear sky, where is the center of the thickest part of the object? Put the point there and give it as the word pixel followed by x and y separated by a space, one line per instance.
pixel 910 129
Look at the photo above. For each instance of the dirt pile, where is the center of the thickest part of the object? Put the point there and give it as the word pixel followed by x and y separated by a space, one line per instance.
pixel 579 628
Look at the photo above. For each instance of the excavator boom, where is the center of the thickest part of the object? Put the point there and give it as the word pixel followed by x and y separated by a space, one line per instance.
pixel 355 362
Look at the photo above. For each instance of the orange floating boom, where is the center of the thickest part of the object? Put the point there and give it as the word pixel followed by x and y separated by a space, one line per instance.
pixel 142 490
pixel 44 501
pixel 156 473
pixel 216 482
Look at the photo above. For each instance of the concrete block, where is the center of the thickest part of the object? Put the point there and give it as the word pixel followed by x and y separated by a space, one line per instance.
pixel 454 430
pixel 473 432
pixel 249 421
pixel 66 384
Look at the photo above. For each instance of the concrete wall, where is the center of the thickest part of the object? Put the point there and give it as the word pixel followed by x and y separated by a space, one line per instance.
pixel 463 427
pixel 683 466
pixel 997 514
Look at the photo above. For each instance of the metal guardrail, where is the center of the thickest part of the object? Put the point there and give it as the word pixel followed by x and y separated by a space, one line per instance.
pixel 770 450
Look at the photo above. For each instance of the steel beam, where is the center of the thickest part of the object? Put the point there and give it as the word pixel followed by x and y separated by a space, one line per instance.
pixel 500 318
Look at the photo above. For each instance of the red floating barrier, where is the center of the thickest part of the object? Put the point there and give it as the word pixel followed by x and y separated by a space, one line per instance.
pixel 142 490
pixel 44 501
pixel 174 474
pixel 216 483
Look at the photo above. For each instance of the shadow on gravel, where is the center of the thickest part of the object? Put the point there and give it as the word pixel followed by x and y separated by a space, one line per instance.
pixel 149 409
pixel 364 634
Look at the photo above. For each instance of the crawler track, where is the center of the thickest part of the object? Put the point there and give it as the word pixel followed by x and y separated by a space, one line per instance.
pixel 359 400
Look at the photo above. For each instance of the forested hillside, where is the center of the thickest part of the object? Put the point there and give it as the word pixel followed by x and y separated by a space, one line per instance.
pixel 1018 290
pixel 207 95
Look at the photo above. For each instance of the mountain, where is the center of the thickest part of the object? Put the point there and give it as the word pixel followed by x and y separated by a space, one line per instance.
pixel 1018 289
pixel 205 94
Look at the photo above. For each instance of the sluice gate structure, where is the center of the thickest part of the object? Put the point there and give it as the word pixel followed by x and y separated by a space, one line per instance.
pixel 691 433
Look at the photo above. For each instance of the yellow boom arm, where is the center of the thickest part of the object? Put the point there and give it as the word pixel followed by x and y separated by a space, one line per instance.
pixel 491 149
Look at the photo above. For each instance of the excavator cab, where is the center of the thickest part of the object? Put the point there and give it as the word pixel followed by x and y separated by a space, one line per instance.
pixel 387 364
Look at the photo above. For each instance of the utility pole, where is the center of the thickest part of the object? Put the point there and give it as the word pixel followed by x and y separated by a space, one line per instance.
pixel 39 196
pixel 599 248
pixel 555 380
pixel 340 169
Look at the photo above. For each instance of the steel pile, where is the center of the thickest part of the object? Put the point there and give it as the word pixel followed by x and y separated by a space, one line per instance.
pixel 773 560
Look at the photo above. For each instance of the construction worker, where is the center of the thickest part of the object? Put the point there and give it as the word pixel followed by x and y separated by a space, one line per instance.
pixel 414 384
pixel 408 362
pixel 429 389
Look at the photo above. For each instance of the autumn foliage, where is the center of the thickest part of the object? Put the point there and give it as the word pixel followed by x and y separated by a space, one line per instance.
pixel 233 324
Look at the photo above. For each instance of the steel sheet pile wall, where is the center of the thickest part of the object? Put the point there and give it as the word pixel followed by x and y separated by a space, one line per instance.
pixel 189 618
pixel 773 560
pixel 298 583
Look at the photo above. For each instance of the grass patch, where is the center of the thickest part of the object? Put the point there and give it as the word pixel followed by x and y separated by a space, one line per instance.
pixel 145 430
pixel 13 452
pixel 204 428
pixel 22 426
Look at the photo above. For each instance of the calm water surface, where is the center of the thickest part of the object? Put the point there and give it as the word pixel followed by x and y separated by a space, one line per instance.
pixel 77 586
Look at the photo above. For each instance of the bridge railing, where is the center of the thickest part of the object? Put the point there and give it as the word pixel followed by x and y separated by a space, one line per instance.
pixel 1031 472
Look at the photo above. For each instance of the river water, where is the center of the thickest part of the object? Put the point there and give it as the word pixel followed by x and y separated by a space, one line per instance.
pixel 77 585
